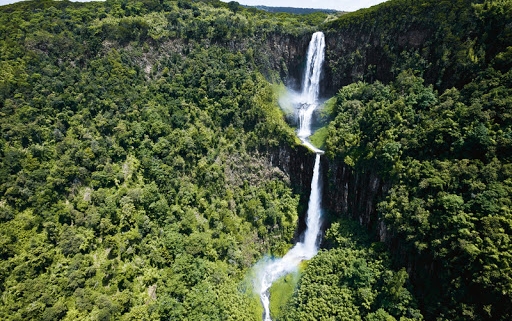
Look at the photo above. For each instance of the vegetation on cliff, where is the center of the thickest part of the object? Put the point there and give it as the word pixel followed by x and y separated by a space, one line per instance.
pixel 133 177
pixel 447 42
pixel 447 156
pixel 350 279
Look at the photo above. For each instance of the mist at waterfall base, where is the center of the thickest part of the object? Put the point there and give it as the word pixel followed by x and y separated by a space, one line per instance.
pixel 288 101
pixel 304 104
pixel 269 270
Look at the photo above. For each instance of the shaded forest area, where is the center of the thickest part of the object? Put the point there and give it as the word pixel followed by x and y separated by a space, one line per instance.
pixel 437 130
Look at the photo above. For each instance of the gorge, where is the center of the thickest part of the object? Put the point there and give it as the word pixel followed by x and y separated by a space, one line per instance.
pixel 270 271
pixel 146 167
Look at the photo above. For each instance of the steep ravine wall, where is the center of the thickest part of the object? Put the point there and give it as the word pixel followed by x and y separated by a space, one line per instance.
pixel 356 54
pixel 354 195
pixel 438 39
pixel 286 54
pixel 346 192
pixel 297 162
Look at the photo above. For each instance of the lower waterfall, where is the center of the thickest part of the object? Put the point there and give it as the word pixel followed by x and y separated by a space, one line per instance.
pixel 303 250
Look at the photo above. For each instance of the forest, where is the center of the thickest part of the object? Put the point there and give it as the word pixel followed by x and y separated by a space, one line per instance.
pixel 143 161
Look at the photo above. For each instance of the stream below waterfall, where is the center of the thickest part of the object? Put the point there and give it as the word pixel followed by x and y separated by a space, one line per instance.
pixel 308 246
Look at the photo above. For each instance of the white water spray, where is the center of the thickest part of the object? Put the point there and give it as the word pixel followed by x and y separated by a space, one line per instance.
pixel 311 84
pixel 308 247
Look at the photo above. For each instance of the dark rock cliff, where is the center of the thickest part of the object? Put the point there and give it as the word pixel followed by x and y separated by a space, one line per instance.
pixel 354 195
pixel 297 162
pixel 346 192
pixel 438 39
pixel 354 54
pixel 286 54
pixel 362 55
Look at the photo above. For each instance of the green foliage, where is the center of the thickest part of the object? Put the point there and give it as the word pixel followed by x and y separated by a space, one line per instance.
pixel 319 137
pixel 325 114
pixel 351 281
pixel 281 292
pixel 444 155
pixel 445 159
pixel 447 42
pixel 134 175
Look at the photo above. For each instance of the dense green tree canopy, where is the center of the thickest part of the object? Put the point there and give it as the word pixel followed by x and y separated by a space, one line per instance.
pixel 447 158
pixel 133 176
pixel 351 279
pixel 443 152
pixel 136 147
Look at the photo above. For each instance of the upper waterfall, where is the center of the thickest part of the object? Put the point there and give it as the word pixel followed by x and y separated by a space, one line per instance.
pixel 311 85
pixel 315 60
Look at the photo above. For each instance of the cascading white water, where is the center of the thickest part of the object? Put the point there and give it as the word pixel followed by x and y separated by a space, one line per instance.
pixel 308 247
pixel 311 84
pixel 304 250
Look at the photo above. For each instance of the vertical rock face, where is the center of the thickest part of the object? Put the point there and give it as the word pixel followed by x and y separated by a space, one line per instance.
pixel 360 53
pixel 346 192
pixel 437 38
pixel 297 162
pixel 286 54
pixel 354 195
pixel 279 55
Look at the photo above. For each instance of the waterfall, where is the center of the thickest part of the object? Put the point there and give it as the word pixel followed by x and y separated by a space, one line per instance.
pixel 311 84
pixel 308 247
